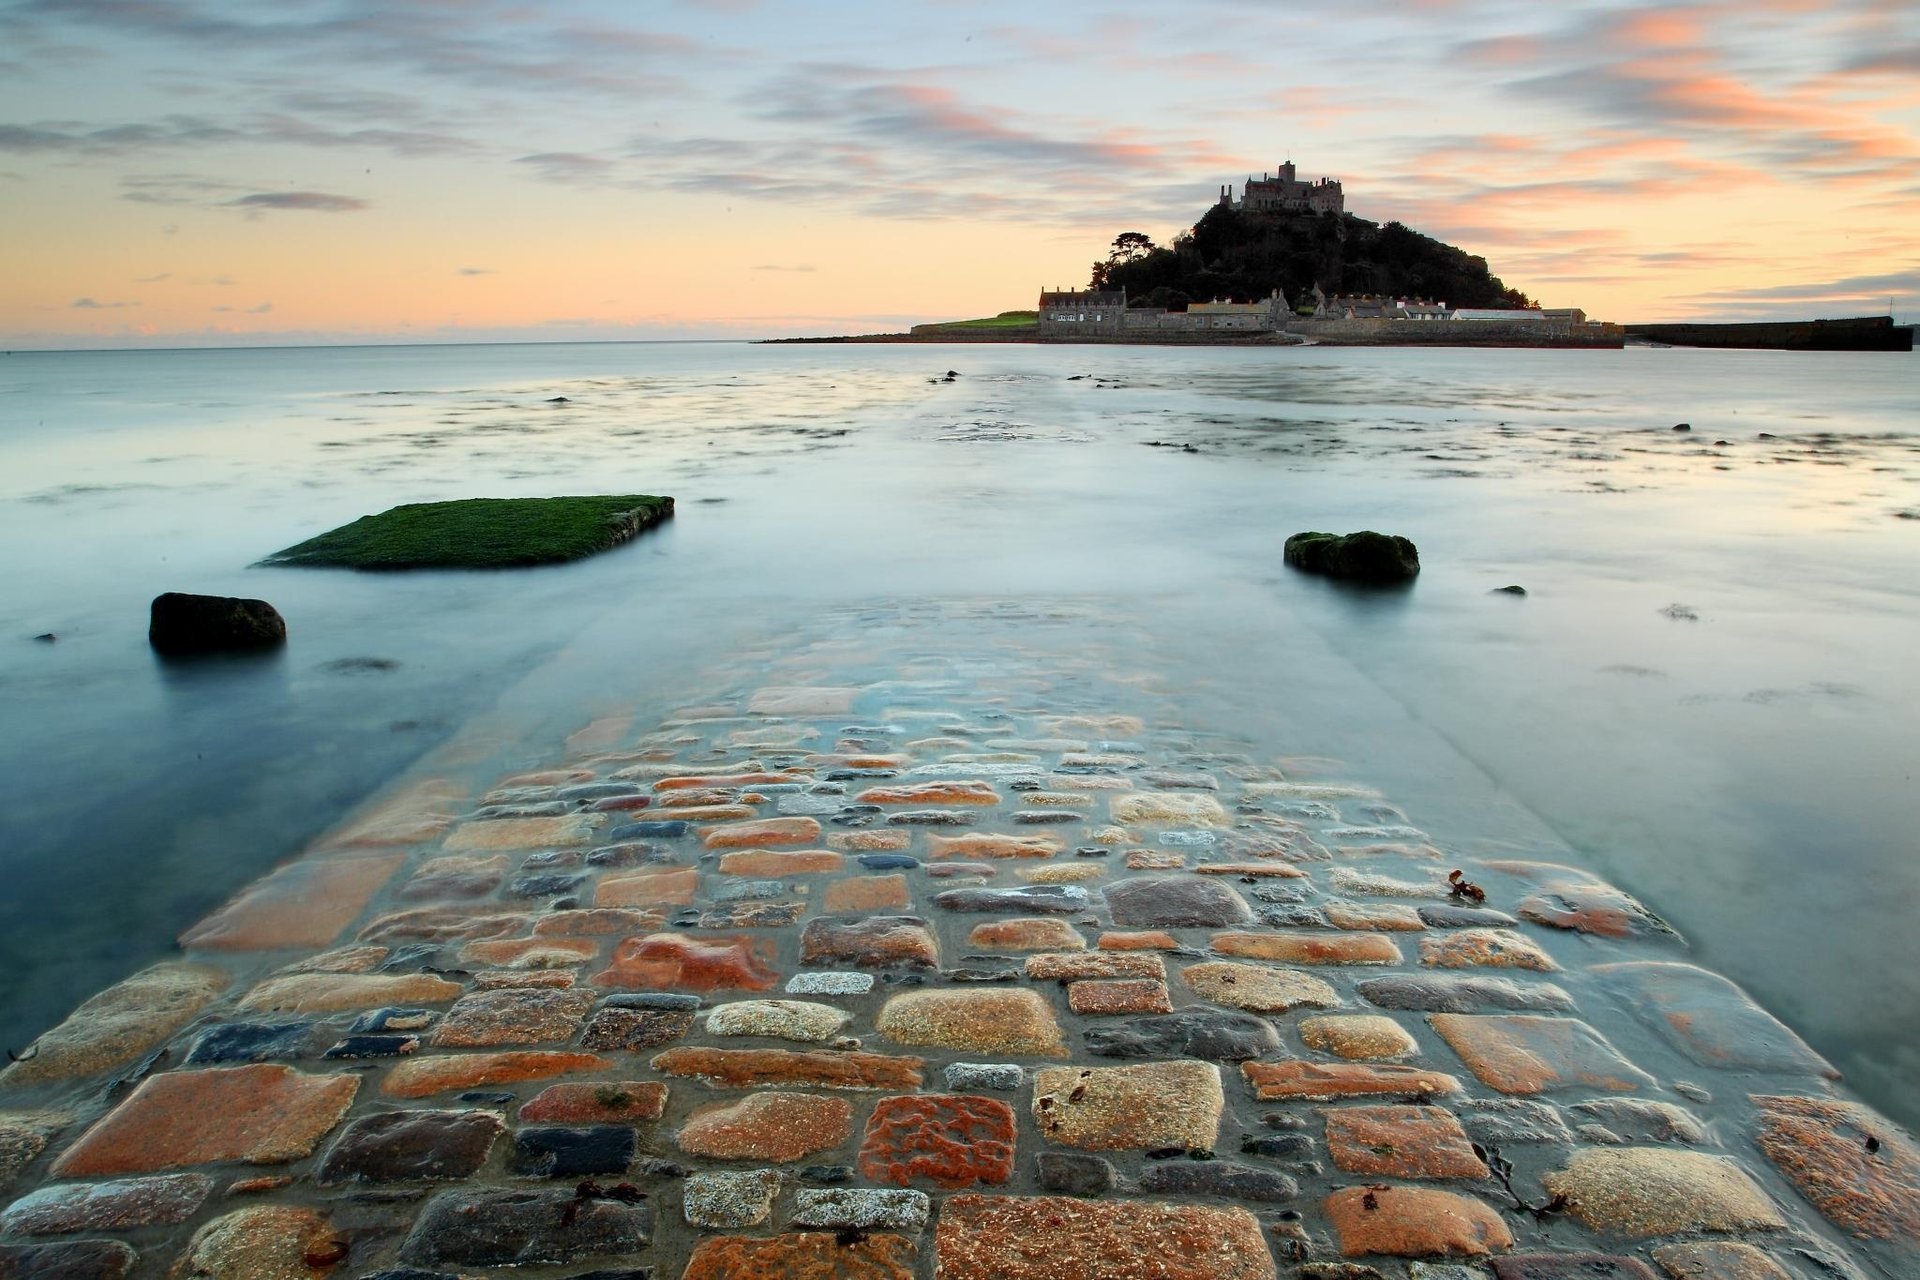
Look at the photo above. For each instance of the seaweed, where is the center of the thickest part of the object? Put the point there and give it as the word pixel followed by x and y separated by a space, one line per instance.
pixel 481 533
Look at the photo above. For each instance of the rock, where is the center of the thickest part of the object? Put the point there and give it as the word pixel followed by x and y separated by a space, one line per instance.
pixel 1499 1121
pixel 750 1068
pixel 1175 902
pixel 660 886
pixel 1511 589
pixel 1219 1178
pixel 1326 1081
pixel 1593 908
pixel 1015 1021
pixel 1385 917
pixel 122 1023
pixel 404 1146
pixel 950 1140
pixel 1165 808
pixel 829 984
pixel 1002 1077
pixel 107 1206
pixel 1058 899
pixel 1071 1174
pixel 728 1201
pixel 1644 1191
pixel 1139 1108
pixel 249 1042
pixel 861 1209
pixel 777 1126
pixel 670 962
pixel 1038 933
pixel 1570 1266
pixel 1718 1260
pixel 1257 987
pixel 866 893
pixel 596 1102
pixel 1401 1142
pixel 1365 556
pixel 496 1228
pixel 267 1114
pixel 803 1255
pixel 1522 1054
pixel 763 833
pixel 513 1016
pixel 1363 1036
pixel 303 904
pixel 1710 1019
pixel 72 1260
pixel 781 864
pixel 871 943
pixel 1447 916
pixel 1462 994
pixel 779 1019
pixel 1856 1168
pixel 934 793
pixel 1112 996
pixel 1310 948
pixel 1077 966
pixel 182 624
pixel 1484 948
pixel 575 831
pixel 614 1027
pixel 1414 1222
pixel 993 846
pixel 268 1242
pixel 1061 1238
pixel 1211 1034
pixel 328 993
pixel 573 1151
pixel 1644 1119
pixel 802 701
pixel 422 1077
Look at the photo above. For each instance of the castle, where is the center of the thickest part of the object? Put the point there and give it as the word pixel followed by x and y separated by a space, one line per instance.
pixel 1285 193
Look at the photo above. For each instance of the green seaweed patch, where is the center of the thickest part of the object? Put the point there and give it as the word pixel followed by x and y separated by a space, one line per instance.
pixel 482 533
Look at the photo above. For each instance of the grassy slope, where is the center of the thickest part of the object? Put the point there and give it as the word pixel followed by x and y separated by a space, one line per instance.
pixel 481 533
pixel 1005 320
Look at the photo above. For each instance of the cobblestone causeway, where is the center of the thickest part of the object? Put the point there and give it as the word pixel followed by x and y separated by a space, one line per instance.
pixel 881 959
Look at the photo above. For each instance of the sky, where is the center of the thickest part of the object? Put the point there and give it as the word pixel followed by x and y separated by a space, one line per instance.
pixel 205 172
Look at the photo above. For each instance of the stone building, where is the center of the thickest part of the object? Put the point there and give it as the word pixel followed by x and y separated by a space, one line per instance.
pixel 1081 313
pixel 1283 192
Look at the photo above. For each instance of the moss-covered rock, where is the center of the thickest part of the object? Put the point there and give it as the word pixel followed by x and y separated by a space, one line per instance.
pixel 1365 556
pixel 482 533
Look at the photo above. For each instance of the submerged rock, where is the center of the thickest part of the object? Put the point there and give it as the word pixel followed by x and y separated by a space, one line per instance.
pixel 183 624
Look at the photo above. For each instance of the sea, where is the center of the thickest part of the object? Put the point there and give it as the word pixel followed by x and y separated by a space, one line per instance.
pixel 1707 693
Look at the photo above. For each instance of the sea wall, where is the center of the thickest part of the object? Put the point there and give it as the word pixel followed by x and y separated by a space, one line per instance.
pixel 1456 333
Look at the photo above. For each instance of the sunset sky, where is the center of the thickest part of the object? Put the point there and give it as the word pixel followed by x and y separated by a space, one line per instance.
pixel 194 172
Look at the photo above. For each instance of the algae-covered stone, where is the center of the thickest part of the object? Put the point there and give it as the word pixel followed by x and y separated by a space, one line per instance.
pixel 119 1024
pixel 1016 1021
pixel 1642 1191
pixel 1214 1034
pixel 494 1228
pixel 1141 1108
pixel 482 533
pixel 1365 556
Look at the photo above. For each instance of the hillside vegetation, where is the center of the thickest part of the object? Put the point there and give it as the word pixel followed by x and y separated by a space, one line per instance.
pixel 1245 256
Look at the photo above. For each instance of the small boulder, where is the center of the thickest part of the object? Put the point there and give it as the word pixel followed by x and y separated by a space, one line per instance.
pixel 190 624
pixel 1365 556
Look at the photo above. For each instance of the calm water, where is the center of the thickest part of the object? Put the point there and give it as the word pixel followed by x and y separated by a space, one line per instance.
pixel 1706 696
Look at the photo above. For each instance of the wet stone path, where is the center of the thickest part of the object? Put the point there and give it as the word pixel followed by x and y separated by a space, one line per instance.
pixel 896 958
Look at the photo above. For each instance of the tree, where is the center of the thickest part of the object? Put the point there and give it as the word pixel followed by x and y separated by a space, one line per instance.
pixel 1130 246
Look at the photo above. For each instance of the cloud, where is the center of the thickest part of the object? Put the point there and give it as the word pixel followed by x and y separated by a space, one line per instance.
pixel 313 201
pixel 89 304
pixel 774 266
pixel 1879 287
pixel 155 279
pixel 475 271
pixel 569 167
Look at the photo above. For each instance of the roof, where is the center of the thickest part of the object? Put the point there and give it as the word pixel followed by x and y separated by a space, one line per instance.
pixel 1083 298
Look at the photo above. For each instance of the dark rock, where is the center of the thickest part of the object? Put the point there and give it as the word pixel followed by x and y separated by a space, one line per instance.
pixel 409 1146
pixel 1219 1178
pixel 827 1175
pixel 1176 902
pixel 750 890
pixel 1572 1266
pixel 75 1260
pixel 250 1042
pixel 1365 556
pixel 1076 1175
pixel 490 1097
pixel 1683 426
pixel 46 637
pixel 550 859
pixel 869 942
pixel 1048 818
pixel 930 818
pixel 496 1228
pixel 410 1273
pixel 1446 916
pixel 1294 916
pixel 107 1206
pixel 616 1273
pixel 562 1151
pixel 189 624
pixel 630 854
pixel 889 861
pixel 653 829
pixel 616 1027
pixel 1278 1146
pixel 408 959
pixel 1511 589
pixel 1047 899
pixel 1213 1034
pixel 389 1021
pixel 544 886
pixel 675 1000
pixel 1442 993
pixel 1499 1121
pixel 745 915
pixel 373 1047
